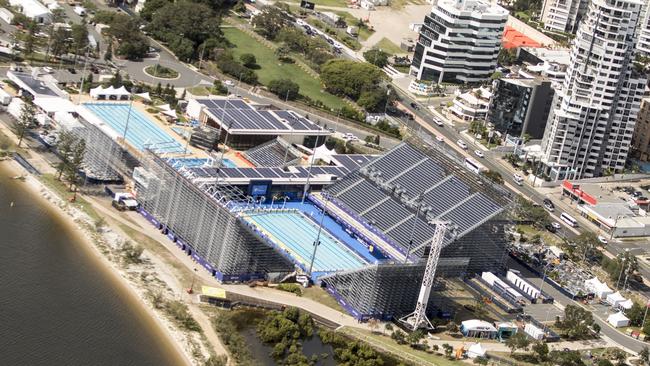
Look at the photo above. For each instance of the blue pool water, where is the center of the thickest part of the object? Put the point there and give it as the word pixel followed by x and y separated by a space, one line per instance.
pixel 142 132
pixel 197 163
pixel 298 233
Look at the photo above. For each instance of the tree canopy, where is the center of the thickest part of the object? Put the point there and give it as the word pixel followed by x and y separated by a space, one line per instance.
pixel 376 57
pixel 350 78
pixel 284 88
pixel 185 26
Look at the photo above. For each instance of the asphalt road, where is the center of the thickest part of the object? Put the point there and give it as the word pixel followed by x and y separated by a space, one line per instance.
pixel 451 135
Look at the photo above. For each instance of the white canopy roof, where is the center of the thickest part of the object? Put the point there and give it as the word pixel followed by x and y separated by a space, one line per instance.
pixel 170 113
pixel 627 304
pixel 615 298
pixel 323 153
pixel 618 319
pixel 53 105
pixel 144 95
pixel 476 324
pixel 164 107
pixel 100 90
pixel 475 350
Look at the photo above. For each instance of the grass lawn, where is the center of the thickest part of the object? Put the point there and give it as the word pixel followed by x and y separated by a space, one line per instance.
pixel 337 3
pixel 201 91
pixel 61 189
pixel 321 296
pixel 386 342
pixel 548 237
pixel 388 46
pixel 364 32
pixel 271 68
pixel 160 71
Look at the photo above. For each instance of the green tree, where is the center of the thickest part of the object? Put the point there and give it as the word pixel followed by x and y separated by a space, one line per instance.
pixel 79 35
pixel 388 327
pixel 496 75
pixel 644 355
pixel 350 78
pixel 566 358
pixel 219 88
pixel 30 38
pixel 399 336
pixel 132 44
pixel 596 328
pixel 151 7
pixel 526 210
pixel 376 57
pixel 184 26
pixel 269 22
pixel 284 88
pixel 220 360
pixel 540 348
pixel 373 100
pixel 493 175
pixel 415 337
pixel 448 349
pixel 518 341
pixel 576 323
pixel 64 149
pixel 507 56
pixel 248 59
pixel 26 121
pixel 604 362
pixel 75 161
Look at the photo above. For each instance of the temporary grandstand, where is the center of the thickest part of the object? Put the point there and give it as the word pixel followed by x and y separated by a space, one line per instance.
pixel 371 247
pixel 245 125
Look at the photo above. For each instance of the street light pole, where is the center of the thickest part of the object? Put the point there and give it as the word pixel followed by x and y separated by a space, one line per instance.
pixel 317 241
pixel 311 164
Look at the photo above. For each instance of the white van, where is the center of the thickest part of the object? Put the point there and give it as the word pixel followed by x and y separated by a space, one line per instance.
pixel 568 219
pixel 518 179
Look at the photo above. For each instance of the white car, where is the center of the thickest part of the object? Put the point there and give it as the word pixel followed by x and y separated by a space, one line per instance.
pixel 479 153
pixel 229 82
pixel 556 225
pixel 440 138
pixel 602 239
pixel 48 69
pixel 438 121
pixel 350 136
pixel 462 144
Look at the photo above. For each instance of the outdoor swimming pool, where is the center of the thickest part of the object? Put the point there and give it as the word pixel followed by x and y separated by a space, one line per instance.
pixel 198 162
pixel 142 132
pixel 294 232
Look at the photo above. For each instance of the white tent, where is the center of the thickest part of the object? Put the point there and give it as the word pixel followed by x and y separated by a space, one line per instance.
pixel 164 107
pixel 323 153
pixel 615 299
pixel 170 113
pixel 598 288
pixel 144 96
pixel 627 304
pixel 618 320
pixel 475 350
pixel 110 93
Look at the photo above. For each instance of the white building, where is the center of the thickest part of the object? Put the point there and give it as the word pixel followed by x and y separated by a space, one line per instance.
pixel 472 105
pixel 563 15
pixel 590 128
pixel 33 9
pixel 459 41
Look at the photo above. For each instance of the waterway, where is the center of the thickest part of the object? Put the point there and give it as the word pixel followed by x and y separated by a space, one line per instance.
pixel 58 304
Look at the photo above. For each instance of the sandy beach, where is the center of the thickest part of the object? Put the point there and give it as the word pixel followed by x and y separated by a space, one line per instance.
pixel 80 224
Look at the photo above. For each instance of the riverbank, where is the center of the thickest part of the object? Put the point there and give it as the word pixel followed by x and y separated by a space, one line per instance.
pixel 137 281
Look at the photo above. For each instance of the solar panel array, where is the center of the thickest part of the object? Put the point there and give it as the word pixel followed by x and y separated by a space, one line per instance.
pixel 270 154
pixel 239 115
pixel 388 191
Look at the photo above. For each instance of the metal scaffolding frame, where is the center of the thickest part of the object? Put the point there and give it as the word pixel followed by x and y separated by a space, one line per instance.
pixel 200 216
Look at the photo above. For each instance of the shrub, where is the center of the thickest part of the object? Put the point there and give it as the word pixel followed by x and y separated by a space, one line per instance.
pixel 290 287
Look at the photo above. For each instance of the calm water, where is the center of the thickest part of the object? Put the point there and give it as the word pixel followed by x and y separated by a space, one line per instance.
pixel 56 308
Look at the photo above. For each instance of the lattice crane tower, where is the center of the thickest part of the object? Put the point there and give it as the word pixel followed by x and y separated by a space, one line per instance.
pixel 417 319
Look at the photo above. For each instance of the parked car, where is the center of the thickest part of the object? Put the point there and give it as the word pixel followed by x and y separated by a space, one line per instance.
pixel 602 239
pixel 548 204
pixel 440 138
pixel 462 144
